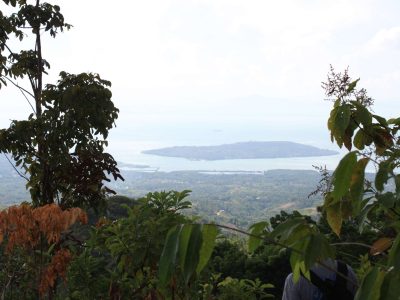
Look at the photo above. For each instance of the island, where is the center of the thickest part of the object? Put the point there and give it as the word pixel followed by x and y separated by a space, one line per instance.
pixel 242 150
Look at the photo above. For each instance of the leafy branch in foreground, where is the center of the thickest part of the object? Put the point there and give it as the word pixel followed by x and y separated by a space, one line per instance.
pixel 376 141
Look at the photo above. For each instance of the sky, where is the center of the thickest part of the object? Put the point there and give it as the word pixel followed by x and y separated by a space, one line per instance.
pixel 216 71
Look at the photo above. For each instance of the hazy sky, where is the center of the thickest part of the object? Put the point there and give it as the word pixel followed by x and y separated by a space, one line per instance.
pixel 238 70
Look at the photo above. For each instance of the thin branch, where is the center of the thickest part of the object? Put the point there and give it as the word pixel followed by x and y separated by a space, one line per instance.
pixel 394 211
pixel 29 102
pixel 8 48
pixel 352 244
pixel 32 84
pixel 16 170
pixel 20 87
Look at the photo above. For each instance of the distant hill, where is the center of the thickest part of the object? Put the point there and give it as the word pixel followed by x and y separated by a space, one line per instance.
pixel 243 150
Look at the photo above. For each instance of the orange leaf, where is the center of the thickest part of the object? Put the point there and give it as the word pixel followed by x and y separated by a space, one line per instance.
pixel 380 245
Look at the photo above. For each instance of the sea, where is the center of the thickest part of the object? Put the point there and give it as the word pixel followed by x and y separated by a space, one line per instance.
pixel 131 153
pixel 127 145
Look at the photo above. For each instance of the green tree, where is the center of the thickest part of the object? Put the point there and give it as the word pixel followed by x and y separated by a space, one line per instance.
pixel 60 147
pixel 121 256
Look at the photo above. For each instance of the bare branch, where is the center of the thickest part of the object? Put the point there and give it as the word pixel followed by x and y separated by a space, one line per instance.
pixel 352 244
pixel 27 100
pixel 20 87
pixel 16 170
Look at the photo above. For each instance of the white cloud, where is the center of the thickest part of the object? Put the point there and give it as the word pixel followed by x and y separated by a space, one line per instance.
pixel 385 40
pixel 166 56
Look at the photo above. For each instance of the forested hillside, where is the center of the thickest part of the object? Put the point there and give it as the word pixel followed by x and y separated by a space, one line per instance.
pixel 240 199
pixel 236 198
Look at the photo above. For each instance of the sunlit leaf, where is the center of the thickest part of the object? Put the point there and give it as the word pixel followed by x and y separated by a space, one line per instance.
pixel 342 175
pixel 334 217
pixel 357 179
pixel 256 230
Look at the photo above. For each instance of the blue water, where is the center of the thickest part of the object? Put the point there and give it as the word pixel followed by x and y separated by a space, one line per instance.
pixel 130 152
pixel 168 164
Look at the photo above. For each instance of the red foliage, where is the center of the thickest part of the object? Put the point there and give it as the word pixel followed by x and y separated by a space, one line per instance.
pixel 24 225
pixel 57 268
pixel 31 228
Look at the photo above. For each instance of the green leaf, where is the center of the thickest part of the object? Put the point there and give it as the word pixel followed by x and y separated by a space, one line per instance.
pixel 256 230
pixel 394 121
pixel 381 120
pixel 387 200
pixel 360 139
pixel 297 262
pixel 284 230
pixel 342 175
pixel 311 252
pixel 334 217
pixel 370 286
pixel 382 176
pixel 209 235
pixel 390 289
pixel 342 120
pixel 357 179
pixel 362 114
pixel 192 252
pixel 363 216
pixel 394 254
pixel 347 138
pixel 184 242
pixel 331 121
pixel 352 85
pixel 168 255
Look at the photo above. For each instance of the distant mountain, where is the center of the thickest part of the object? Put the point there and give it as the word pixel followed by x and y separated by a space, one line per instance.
pixel 243 150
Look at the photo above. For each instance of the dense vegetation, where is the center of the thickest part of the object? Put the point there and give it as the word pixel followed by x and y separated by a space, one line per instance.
pixel 239 198
pixel 60 247
pixel 244 150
